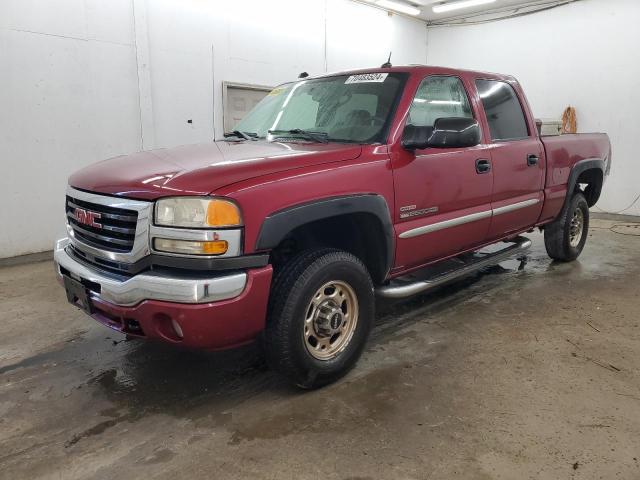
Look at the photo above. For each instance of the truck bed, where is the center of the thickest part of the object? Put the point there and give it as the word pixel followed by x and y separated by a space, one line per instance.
pixel 562 152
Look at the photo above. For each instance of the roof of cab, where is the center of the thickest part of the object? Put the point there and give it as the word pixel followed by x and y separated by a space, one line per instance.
pixel 418 70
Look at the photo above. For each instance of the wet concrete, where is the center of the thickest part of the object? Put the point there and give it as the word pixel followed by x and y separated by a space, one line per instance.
pixel 507 374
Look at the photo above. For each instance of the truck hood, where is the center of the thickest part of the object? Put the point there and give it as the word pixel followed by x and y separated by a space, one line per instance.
pixel 202 169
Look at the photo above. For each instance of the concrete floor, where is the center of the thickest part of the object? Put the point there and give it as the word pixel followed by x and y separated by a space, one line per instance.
pixel 509 374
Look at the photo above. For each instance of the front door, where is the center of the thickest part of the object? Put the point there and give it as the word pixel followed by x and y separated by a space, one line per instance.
pixel 517 157
pixel 443 196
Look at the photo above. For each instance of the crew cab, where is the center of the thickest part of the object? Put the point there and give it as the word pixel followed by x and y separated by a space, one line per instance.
pixel 332 190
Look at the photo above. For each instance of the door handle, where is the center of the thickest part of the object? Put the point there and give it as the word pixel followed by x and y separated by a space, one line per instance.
pixel 483 166
pixel 532 160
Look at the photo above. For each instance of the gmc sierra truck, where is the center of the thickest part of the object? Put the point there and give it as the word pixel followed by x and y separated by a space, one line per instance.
pixel 332 190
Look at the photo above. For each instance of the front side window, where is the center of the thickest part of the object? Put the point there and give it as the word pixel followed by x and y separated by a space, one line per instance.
pixel 345 108
pixel 504 112
pixel 439 97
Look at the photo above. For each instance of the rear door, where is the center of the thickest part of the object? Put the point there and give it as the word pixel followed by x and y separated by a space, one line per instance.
pixel 517 158
pixel 443 195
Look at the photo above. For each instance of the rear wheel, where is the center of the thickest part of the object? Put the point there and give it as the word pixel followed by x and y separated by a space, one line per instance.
pixel 565 238
pixel 320 316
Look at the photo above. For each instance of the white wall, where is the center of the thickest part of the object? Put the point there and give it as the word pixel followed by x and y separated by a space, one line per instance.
pixel 83 80
pixel 585 54
pixel 68 96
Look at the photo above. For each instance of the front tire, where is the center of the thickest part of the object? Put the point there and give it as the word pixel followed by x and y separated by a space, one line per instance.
pixel 320 316
pixel 565 238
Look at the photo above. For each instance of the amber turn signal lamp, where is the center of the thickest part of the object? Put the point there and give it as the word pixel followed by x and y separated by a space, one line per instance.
pixel 217 247
pixel 222 213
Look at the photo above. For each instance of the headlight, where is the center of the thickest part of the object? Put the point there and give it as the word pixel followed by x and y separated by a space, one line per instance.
pixel 197 212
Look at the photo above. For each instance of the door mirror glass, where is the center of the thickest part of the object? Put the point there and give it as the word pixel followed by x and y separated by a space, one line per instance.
pixel 455 133
pixel 445 133
pixel 416 137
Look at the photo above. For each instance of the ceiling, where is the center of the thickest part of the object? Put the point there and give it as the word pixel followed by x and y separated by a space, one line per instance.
pixel 428 14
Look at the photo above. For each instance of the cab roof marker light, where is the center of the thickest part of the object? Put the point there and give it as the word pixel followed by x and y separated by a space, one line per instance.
pixel 398 7
pixel 448 7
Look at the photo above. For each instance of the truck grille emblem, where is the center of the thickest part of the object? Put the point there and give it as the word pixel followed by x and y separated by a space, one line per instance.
pixel 87 217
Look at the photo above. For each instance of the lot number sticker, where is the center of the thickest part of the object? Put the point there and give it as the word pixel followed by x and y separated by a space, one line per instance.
pixel 367 78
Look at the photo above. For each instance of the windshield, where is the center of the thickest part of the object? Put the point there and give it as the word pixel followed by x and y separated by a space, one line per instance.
pixel 347 108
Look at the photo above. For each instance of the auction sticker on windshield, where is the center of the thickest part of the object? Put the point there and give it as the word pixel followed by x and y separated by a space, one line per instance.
pixel 367 77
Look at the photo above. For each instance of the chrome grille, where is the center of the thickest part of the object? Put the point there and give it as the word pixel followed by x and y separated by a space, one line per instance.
pixel 114 229
pixel 125 240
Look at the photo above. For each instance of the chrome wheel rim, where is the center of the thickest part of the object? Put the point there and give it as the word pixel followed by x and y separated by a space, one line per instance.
pixel 576 227
pixel 330 320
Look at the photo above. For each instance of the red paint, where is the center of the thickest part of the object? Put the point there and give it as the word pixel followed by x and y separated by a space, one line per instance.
pixel 201 169
pixel 264 177
pixel 563 152
pixel 209 326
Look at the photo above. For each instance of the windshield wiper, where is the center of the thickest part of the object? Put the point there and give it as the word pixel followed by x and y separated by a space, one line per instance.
pixel 240 134
pixel 308 134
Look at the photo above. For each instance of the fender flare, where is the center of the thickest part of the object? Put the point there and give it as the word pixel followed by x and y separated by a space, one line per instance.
pixel 579 168
pixel 278 225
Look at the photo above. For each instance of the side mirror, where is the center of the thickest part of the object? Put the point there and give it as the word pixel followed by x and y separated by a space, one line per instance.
pixel 416 137
pixel 446 133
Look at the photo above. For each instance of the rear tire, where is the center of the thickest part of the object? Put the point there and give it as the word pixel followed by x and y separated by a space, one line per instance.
pixel 320 315
pixel 565 238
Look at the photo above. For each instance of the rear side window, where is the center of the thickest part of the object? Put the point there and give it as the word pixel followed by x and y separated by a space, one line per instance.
pixel 439 97
pixel 504 112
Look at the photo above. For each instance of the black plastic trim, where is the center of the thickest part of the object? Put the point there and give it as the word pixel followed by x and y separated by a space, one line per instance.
pixel 154 261
pixel 211 264
pixel 579 168
pixel 279 224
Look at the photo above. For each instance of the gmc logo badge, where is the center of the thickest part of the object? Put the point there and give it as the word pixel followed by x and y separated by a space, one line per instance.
pixel 87 217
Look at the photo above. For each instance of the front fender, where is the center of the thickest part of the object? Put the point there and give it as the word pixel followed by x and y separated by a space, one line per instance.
pixel 278 225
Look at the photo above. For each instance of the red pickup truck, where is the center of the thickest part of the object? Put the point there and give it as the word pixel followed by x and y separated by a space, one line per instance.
pixel 332 190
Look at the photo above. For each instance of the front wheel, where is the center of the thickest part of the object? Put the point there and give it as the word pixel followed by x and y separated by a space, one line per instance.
pixel 565 238
pixel 320 316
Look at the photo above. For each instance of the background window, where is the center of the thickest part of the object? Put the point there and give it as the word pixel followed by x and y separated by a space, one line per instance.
pixel 503 110
pixel 439 97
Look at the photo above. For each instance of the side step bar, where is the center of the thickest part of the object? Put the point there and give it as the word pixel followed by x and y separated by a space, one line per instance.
pixel 412 284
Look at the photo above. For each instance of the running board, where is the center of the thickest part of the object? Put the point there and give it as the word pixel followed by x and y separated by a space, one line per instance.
pixel 433 277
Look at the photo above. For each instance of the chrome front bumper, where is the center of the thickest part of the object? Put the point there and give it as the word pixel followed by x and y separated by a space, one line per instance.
pixel 150 286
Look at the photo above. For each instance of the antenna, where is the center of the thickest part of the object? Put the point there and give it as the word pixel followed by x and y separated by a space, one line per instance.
pixel 303 75
pixel 387 64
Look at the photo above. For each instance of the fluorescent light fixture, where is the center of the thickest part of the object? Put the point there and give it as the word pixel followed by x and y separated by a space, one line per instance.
pixel 398 7
pixel 447 7
pixel 437 102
